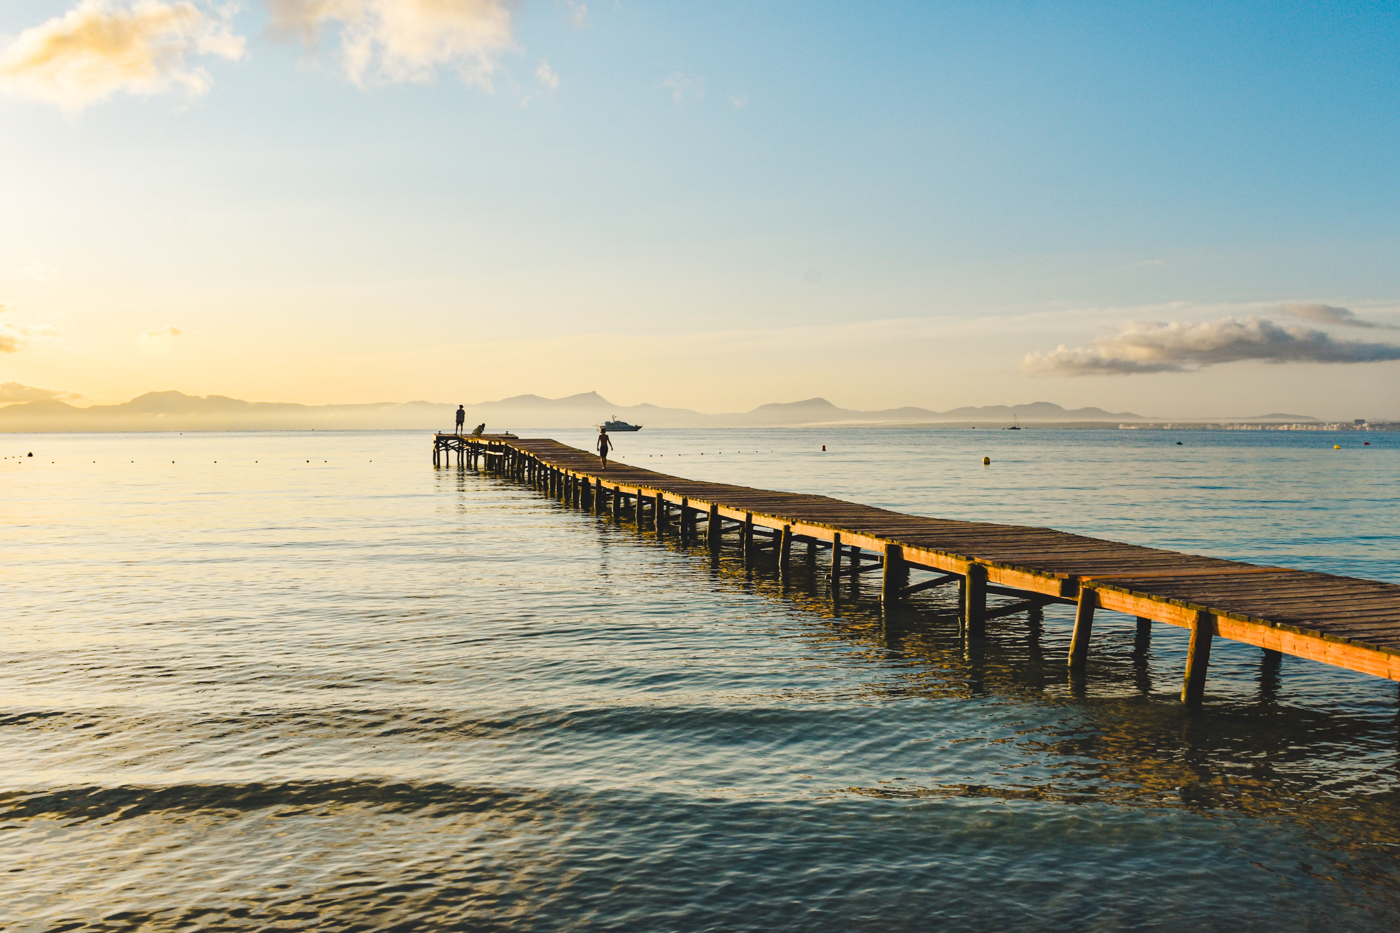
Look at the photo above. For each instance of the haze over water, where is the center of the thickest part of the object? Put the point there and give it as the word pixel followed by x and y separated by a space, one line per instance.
pixel 306 681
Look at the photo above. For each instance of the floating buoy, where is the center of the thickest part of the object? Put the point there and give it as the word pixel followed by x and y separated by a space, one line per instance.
pixel 823 448
pixel 31 453
pixel 986 460
pixel 1365 443
pixel 1178 443
pixel 1336 446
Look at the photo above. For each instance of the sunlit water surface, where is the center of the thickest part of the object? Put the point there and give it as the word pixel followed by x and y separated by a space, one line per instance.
pixel 305 681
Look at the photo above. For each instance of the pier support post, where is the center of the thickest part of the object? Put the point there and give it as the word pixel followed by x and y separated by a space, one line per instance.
pixel 687 521
pixel 835 563
pixel 616 504
pixel 1268 675
pixel 893 577
pixel 974 595
pixel 714 529
pixel 1083 627
pixel 784 551
pixel 658 509
pixel 746 542
pixel 1144 632
pixel 1193 686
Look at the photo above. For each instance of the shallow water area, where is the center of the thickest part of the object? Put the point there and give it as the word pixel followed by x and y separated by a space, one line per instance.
pixel 306 681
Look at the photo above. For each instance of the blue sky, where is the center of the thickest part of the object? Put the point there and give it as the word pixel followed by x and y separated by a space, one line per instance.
pixel 714 205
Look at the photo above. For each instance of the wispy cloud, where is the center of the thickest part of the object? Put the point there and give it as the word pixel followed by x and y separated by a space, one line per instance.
pixel 547 75
pixel 1177 346
pixel 16 392
pixel 14 337
pixel 738 100
pixel 578 12
pixel 100 47
pixel 158 341
pixel 42 272
pixel 1328 314
pixel 405 40
pixel 684 87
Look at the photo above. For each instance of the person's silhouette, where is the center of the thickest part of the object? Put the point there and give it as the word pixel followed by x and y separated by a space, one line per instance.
pixel 604 445
pixel 461 417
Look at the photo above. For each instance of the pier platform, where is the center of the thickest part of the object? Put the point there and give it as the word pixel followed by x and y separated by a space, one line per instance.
pixel 1344 621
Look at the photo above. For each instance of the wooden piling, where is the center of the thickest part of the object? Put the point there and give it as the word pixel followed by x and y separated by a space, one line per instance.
pixel 1083 627
pixel 714 529
pixel 974 593
pixel 616 505
pixel 784 551
pixel 835 563
pixel 746 542
pixel 892 579
pixel 1193 685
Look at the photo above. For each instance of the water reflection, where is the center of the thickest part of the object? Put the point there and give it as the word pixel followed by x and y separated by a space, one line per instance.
pixel 1120 736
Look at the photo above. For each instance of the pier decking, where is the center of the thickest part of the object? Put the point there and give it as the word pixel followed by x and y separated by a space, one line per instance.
pixel 1344 621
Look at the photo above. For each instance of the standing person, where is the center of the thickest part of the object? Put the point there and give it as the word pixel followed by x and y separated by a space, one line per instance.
pixel 461 417
pixel 604 445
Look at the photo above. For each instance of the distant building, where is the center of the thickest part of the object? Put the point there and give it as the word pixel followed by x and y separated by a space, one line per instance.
pixel 1358 421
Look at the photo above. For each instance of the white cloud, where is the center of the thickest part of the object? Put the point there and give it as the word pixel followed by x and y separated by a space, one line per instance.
pixel 578 12
pixel 547 75
pixel 14 337
pixel 738 100
pixel 1328 314
pixel 1177 346
pixel 684 87
pixel 405 40
pixel 42 272
pixel 16 392
pixel 100 47
pixel 158 341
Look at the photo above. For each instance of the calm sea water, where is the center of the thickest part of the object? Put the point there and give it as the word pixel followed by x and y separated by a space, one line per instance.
pixel 306 682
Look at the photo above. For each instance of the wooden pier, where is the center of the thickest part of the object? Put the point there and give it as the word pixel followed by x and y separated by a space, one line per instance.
pixel 1343 621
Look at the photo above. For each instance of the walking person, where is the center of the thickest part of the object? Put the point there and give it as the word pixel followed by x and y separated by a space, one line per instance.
pixel 461 417
pixel 604 445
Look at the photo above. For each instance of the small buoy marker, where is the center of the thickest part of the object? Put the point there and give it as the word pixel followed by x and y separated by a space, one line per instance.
pixel 823 448
pixel 986 460
pixel 1336 446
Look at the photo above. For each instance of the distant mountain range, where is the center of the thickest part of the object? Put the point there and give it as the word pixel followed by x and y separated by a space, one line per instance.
pixel 175 411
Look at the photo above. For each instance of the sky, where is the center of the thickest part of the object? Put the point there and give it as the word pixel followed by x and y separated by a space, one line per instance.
pixel 1178 209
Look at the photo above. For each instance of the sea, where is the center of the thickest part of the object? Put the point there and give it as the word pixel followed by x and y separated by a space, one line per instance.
pixel 305 681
